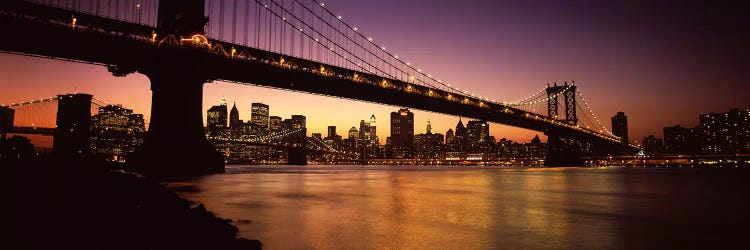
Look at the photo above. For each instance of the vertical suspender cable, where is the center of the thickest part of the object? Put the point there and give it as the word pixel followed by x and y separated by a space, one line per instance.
pixel 210 12
pixel 221 19
pixel 234 21
pixel 246 42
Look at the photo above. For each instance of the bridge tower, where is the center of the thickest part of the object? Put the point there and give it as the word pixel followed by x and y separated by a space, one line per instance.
pixel 563 151
pixel 568 93
pixel 297 154
pixel 175 143
pixel 73 126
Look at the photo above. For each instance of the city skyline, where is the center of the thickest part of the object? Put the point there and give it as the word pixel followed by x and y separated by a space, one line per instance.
pixel 628 65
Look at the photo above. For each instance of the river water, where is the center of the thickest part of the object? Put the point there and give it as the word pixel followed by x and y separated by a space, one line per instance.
pixel 361 207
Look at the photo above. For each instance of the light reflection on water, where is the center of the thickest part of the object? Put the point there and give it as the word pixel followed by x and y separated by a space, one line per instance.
pixel 479 208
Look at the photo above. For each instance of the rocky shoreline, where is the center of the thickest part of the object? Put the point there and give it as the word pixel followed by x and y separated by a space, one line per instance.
pixel 83 205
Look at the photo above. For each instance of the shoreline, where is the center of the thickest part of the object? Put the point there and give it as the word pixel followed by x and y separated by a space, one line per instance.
pixel 82 205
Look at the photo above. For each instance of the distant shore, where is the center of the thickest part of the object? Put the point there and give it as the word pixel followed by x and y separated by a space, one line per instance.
pixel 81 205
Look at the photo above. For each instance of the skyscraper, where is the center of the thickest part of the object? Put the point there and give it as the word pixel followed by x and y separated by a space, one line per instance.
pixel 216 118
pixel 620 127
pixel 402 128
pixel 259 117
pixel 234 118
pixel 274 124
pixel 459 137
pixel 373 128
pixel 331 131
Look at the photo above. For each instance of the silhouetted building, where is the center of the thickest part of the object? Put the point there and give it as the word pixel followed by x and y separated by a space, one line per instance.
pixel 234 118
pixel 679 140
pixel 299 121
pixel 532 150
pixel 653 145
pixel 317 136
pixel 331 131
pixel 428 145
pixel 402 128
pixel 459 137
pixel 6 122
pixel 73 126
pixel 725 133
pixel 620 127
pixel 449 138
pixel 259 118
pixel 115 132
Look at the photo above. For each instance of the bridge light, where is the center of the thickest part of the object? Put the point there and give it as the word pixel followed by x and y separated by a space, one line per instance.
pixel 369 39
pixel 355 28
pixel 339 17
pixel 322 4
pixel 73 22
pixel 153 36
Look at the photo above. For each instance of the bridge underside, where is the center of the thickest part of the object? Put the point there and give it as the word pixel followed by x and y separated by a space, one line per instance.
pixel 124 53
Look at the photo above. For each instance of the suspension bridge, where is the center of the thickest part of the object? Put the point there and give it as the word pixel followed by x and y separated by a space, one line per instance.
pixel 294 45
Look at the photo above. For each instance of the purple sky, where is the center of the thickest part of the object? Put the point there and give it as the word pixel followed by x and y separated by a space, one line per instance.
pixel 661 63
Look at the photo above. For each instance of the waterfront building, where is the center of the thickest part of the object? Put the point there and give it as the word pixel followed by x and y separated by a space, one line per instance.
pixel 620 127
pixel 259 118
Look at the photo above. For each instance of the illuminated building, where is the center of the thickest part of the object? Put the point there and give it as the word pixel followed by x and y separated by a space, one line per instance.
pixel 333 139
pixel 478 136
pixel 368 144
pixel 216 119
pixel 115 132
pixel 259 118
pixel 725 133
pixel 274 124
pixel 428 145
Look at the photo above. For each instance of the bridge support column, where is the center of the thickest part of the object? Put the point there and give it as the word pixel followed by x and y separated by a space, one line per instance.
pixel 175 143
pixel 563 152
pixel 298 155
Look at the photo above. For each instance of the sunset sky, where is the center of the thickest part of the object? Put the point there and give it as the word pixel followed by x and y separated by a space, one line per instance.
pixel 660 63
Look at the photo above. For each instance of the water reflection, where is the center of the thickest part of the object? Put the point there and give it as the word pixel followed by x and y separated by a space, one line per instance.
pixel 450 208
